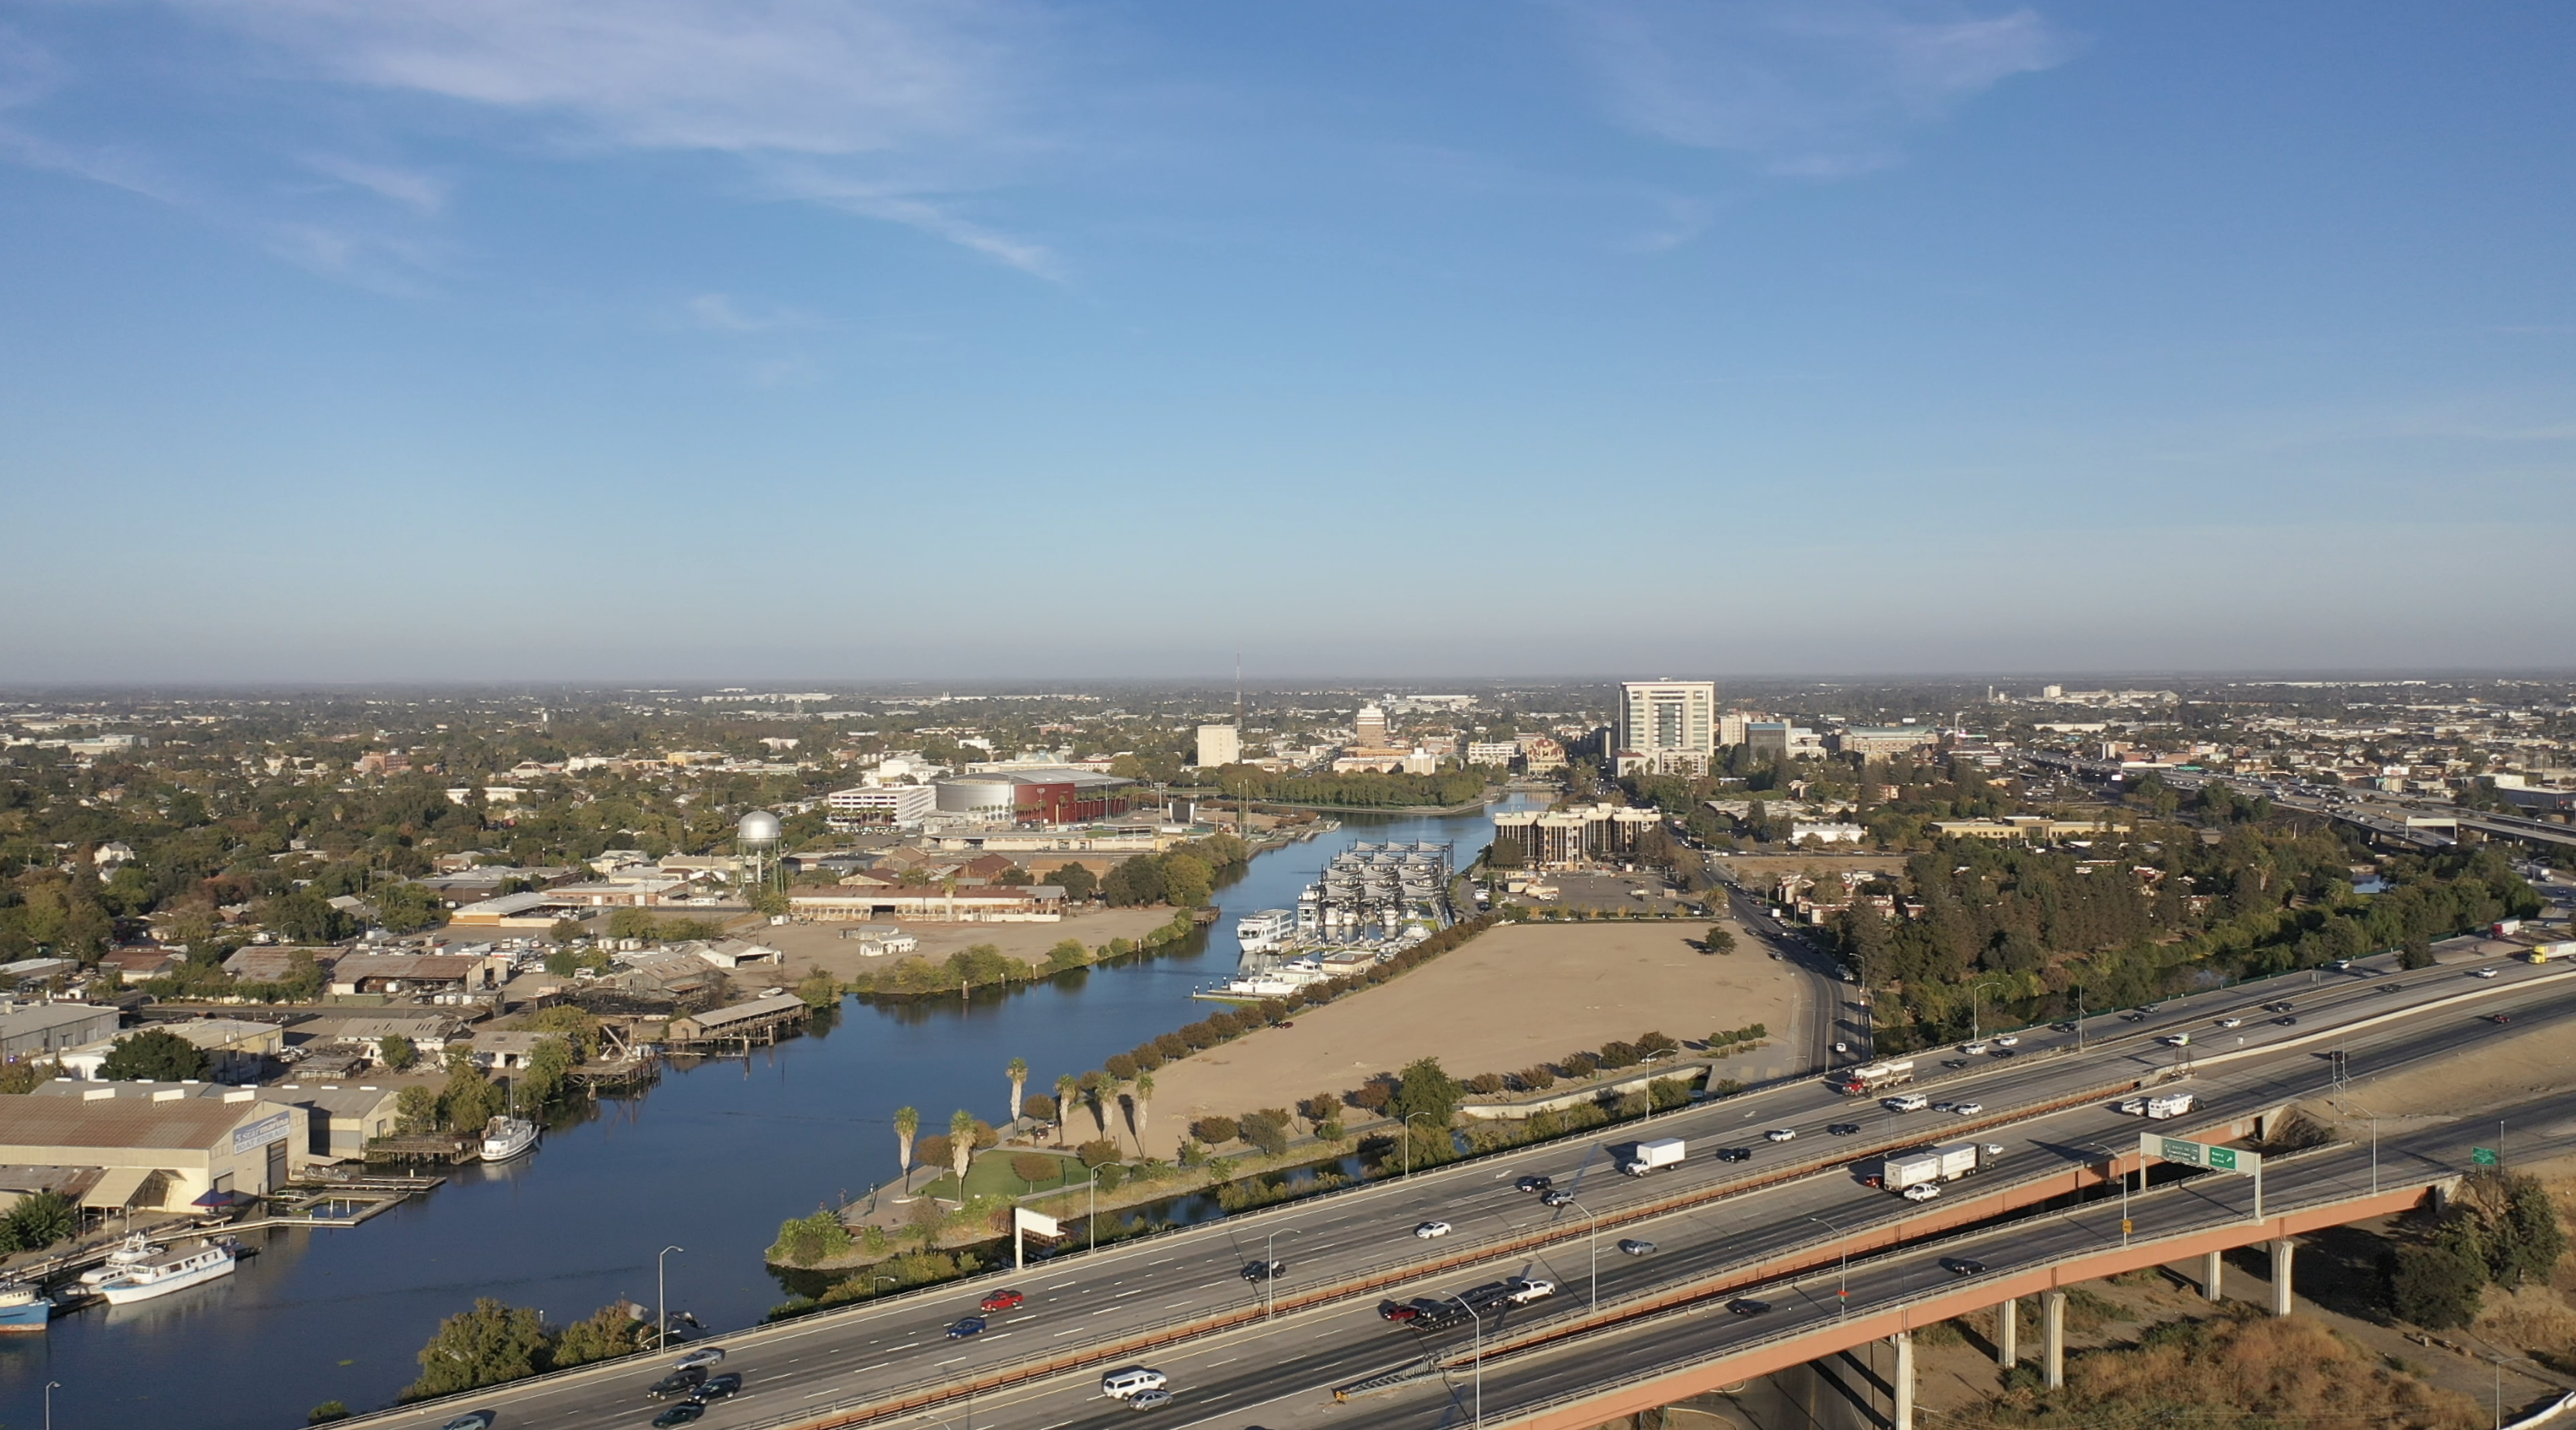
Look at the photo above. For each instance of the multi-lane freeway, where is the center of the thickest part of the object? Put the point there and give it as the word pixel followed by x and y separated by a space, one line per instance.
pixel 1037 1366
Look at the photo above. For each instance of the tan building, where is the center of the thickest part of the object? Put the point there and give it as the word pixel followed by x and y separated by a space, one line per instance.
pixel 162 1154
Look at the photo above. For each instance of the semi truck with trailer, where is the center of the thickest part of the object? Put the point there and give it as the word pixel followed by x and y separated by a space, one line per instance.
pixel 1931 1165
pixel 1872 1077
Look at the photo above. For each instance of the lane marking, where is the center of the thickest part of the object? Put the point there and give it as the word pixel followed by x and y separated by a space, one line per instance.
pixel 1060 1335
pixel 1060 1285
pixel 952 1360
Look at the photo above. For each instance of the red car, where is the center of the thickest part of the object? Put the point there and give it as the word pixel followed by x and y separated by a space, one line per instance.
pixel 1001 1301
pixel 1398 1311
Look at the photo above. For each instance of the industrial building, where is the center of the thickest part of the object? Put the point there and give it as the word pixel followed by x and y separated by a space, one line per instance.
pixel 41 1030
pixel 1072 796
pixel 999 904
pixel 1666 727
pixel 339 1119
pixel 161 1154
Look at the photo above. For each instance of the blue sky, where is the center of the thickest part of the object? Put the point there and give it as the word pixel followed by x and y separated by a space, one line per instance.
pixel 598 338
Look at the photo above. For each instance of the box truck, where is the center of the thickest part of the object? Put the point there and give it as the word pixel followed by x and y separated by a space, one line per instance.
pixel 1652 1156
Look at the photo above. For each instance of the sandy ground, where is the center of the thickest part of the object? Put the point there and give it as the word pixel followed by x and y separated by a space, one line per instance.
pixel 809 944
pixel 1521 994
pixel 2507 1068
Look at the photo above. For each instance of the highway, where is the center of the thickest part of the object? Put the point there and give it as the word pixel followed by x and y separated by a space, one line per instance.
pixel 1081 1306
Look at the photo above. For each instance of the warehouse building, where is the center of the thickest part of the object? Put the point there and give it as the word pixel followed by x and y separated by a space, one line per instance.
pixel 171 1152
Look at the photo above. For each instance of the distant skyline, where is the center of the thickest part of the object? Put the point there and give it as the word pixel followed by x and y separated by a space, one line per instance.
pixel 580 341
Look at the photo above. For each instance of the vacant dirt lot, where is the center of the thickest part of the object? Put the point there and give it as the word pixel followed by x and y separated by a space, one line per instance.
pixel 2510 1067
pixel 809 944
pixel 1521 994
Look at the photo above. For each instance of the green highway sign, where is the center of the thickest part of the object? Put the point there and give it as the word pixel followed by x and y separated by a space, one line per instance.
pixel 2199 1154
pixel 2483 1157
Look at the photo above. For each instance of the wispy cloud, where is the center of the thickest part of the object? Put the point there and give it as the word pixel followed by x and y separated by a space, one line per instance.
pixel 719 312
pixel 827 99
pixel 1810 88
pixel 421 193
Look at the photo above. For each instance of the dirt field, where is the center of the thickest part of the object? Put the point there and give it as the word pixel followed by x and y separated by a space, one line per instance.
pixel 809 944
pixel 2510 1067
pixel 1519 995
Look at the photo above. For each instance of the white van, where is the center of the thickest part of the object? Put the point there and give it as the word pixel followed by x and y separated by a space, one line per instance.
pixel 1119 1384
pixel 1906 1102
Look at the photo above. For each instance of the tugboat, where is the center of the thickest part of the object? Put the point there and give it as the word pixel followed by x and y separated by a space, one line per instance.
pixel 23 1309
pixel 167 1273
pixel 507 1137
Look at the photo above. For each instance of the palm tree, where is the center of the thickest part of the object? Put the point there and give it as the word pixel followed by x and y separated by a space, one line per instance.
pixel 961 1146
pixel 1144 1104
pixel 907 1124
pixel 1067 1086
pixel 1019 1073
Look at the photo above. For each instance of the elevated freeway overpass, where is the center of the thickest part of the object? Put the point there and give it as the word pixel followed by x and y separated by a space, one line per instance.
pixel 1175 1300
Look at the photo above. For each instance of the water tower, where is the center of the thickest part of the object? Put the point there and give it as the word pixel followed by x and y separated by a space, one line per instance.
pixel 756 842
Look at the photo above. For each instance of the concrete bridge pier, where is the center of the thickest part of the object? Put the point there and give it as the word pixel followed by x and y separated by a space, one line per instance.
pixel 2008 1333
pixel 2282 1247
pixel 1904 1387
pixel 2213 1270
pixel 2052 1338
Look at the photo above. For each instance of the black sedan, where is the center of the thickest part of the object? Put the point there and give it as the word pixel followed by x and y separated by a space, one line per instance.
pixel 1536 1184
pixel 1265 1270
pixel 684 1413
pixel 718 1388
pixel 1842 1129
pixel 1747 1306
pixel 1963 1266
pixel 678 1383
pixel 1735 1154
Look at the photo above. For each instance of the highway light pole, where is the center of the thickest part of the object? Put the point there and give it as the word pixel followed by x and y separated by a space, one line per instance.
pixel 1976 1026
pixel 53 1385
pixel 1592 1240
pixel 1270 1269
pixel 662 1299
pixel 1476 1323
pixel 1842 1277
pixel 1091 1223
pixel 2110 1160
pixel 1407 1138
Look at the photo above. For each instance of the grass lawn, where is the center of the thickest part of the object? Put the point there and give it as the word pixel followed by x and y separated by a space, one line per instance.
pixel 990 1175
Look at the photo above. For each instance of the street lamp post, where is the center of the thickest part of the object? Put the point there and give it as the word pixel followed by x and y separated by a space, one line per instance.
pixel 662 1299
pixel 1269 1269
pixel 1091 1223
pixel 1592 1240
pixel 53 1385
pixel 1476 1323
pixel 2111 1159
pixel 1842 1278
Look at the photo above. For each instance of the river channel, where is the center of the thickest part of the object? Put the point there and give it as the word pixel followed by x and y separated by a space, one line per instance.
pixel 710 1159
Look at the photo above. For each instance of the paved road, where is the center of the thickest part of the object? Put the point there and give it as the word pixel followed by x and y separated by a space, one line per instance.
pixel 879 1350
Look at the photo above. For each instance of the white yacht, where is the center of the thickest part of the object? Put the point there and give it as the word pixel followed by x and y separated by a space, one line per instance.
pixel 1266 930
pixel 134 1251
pixel 171 1271
pixel 507 1137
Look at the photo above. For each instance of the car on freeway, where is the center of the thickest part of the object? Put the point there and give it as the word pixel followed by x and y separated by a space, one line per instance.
pixel 1265 1270
pixel 1975 1049
pixel 1555 1197
pixel 1963 1266
pixel 1967 1109
pixel 717 1388
pixel 2342 965
pixel 703 1355
pixel 1535 1184
pixel 1635 1246
pixel 1781 1134
pixel 2392 988
pixel 1134 1380
pixel 2279 1005
pixel 1530 1290
pixel 1921 1192
pixel 2008 1040
pixel 684 1413
pixel 2287 1020
pixel 1841 1129
pixel 965 1326
pixel 1397 1310
pixel 471 1420
pixel 1149 1399
pixel 2482 973
pixel 1735 1154
pixel 1430 1229
pixel 678 1383
pixel 2499 1017
pixel 2133 1016
pixel 1954 1062
pixel 1747 1306
pixel 2231 1022
pixel 1002 1301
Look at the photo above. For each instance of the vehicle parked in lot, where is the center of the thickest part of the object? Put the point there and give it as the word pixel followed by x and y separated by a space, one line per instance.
pixel 678 1383
pixel 1002 1301
pixel 1135 1379
pixel 1536 1184
pixel 1430 1229
pixel 718 1387
pixel 1636 1246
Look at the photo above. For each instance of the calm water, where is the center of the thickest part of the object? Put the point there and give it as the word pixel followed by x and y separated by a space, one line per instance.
pixel 710 1159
